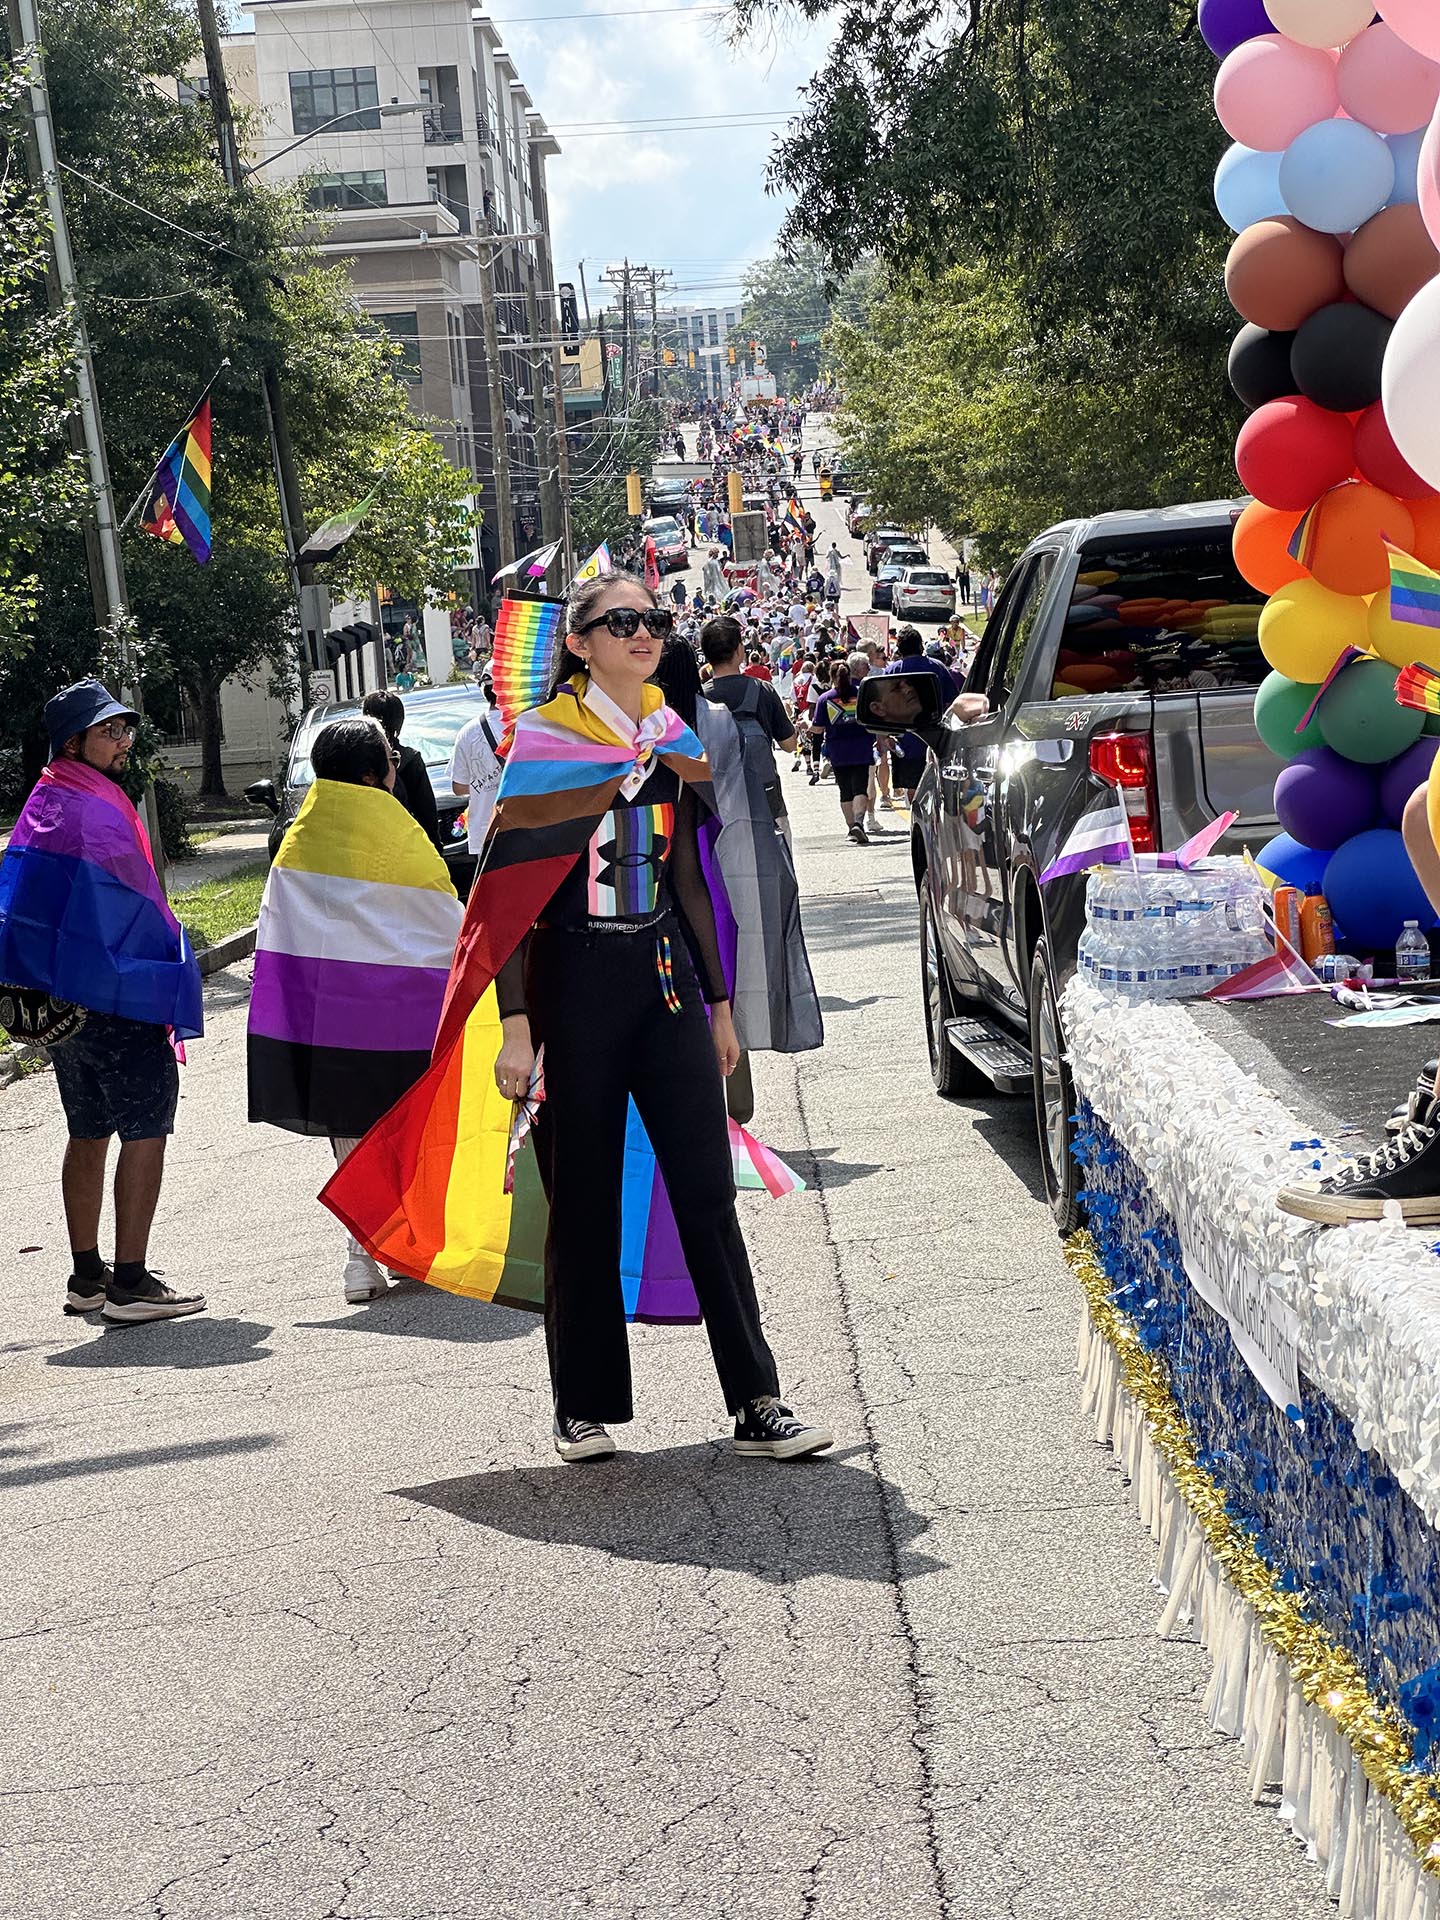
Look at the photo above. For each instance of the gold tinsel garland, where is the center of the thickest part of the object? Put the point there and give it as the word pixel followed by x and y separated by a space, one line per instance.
pixel 1328 1676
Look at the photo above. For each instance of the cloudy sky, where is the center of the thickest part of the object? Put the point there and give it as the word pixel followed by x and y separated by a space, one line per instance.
pixel 693 202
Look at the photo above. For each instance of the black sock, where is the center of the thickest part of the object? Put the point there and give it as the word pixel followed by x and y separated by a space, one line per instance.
pixel 89 1265
pixel 130 1273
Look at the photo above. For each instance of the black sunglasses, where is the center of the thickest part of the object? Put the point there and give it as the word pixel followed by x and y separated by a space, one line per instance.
pixel 625 622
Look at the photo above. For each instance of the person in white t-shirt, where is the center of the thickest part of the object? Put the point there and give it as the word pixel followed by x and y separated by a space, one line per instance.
pixel 475 767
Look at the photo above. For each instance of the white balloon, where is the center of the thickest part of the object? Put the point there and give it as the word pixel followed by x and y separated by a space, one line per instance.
pixel 1411 383
pixel 1320 23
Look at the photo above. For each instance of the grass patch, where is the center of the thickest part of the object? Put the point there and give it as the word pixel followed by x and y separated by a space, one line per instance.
pixel 217 908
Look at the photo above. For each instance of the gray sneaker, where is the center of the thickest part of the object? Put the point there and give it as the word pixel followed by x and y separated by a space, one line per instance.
pixel 148 1299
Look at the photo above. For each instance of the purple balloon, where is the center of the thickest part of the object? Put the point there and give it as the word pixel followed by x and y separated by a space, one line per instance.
pixel 1323 800
pixel 1227 24
pixel 1400 779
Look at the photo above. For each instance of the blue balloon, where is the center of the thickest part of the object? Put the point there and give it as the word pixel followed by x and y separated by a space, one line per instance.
pixel 1247 188
pixel 1336 175
pixel 1405 151
pixel 1373 890
pixel 1297 866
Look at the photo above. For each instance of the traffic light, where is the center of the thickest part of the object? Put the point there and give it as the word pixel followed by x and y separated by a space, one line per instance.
pixel 735 491
pixel 690 359
pixel 669 356
pixel 793 345
pixel 634 494
pixel 731 352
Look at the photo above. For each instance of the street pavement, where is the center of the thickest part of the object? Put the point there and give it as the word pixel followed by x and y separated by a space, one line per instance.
pixel 304 1621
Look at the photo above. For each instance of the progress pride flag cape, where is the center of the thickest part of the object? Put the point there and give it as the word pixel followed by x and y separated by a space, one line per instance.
pixel 82 914
pixel 424 1191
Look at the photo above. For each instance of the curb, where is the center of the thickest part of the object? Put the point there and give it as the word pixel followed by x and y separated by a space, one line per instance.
pixel 224 953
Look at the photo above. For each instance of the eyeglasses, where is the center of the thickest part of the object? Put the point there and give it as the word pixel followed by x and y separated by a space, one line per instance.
pixel 626 622
pixel 116 729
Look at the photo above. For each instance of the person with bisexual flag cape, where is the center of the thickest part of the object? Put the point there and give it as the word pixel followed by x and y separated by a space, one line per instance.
pixel 357 928
pixel 589 944
pixel 97 967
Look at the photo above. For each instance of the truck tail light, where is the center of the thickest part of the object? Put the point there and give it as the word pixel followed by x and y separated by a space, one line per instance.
pixel 1125 762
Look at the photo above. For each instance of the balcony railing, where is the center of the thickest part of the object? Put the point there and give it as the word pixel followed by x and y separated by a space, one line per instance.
pixel 443 129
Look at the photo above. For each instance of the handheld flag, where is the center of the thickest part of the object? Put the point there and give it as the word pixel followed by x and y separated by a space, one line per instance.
pixel 528 635
pixel 1348 655
pixel 1418 688
pixel 178 507
pixel 1099 839
pixel 331 534
pixel 1414 590
pixel 1267 979
pixel 599 563
pixel 530 566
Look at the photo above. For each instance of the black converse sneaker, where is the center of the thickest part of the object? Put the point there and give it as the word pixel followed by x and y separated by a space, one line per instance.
pixel 86 1296
pixel 1422 1090
pixel 129 1302
pixel 582 1439
pixel 1405 1170
pixel 766 1427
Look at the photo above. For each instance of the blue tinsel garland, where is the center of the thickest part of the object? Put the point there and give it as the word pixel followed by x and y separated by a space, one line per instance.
pixel 1333 1522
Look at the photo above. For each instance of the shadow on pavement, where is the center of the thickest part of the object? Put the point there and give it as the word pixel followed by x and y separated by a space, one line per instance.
pixel 703 1506
pixel 816 1168
pixel 1007 1126
pixel 832 1003
pixel 176 1455
pixel 195 1342
pixel 429 1313
pixel 859 920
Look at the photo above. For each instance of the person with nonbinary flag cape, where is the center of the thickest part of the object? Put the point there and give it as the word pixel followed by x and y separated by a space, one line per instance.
pixel 84 923
pixel 357 929
pixel 587 925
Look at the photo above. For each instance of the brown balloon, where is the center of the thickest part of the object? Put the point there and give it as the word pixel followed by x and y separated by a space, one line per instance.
pixel 1390 259
pixel 1279 272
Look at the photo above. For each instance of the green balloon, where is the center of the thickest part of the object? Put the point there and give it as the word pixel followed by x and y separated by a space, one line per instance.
pixel 1280 705
pixel 1362 719
pixel 1432 723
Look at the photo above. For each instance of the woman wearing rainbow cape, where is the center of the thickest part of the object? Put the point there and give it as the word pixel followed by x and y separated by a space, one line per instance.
pixel 585 928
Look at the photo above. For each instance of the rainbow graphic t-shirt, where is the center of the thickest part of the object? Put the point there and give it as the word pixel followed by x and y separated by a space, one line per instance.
pixel 626 859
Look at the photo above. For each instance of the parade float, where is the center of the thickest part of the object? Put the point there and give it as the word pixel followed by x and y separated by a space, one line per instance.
pixel 1271 1388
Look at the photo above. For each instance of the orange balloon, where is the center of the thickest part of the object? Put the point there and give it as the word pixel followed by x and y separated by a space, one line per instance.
pixel 1390 259
pixel 1279 272
pixel 1342 542
pixel 1426 516
pixel 1262 535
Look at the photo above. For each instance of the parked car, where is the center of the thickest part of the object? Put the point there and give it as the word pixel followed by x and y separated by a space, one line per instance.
pixel 922 593
pixel 433 718
pixel 906 553
pixel 882 587
pixel 878 540
pixel 672 544
pixel 1083 705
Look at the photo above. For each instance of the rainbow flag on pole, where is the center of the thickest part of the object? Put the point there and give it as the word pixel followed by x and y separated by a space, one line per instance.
pixel 178 509
pixel 527 647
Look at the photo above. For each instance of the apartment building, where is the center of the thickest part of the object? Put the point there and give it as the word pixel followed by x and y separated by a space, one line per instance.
pixel 705 332
pixel 417 134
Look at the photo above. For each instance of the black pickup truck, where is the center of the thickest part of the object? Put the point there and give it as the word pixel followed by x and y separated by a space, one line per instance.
pixel 1121 658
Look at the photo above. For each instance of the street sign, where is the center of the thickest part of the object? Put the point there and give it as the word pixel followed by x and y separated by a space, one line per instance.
pixel 322 689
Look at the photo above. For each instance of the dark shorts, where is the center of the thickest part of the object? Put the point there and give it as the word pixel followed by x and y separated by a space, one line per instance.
pixel 906 773
pixel 853 781
pixel 117 1076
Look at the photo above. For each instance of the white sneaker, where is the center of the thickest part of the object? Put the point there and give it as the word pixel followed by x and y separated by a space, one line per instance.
pixel 363 1280
pixel 872 825
pixel 581 1440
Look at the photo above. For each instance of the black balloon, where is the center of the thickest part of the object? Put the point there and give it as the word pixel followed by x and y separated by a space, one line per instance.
pixel 1260 366
pixel 1338 356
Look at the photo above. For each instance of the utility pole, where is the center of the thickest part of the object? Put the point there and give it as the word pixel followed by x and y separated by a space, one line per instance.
pixel 310 605
pixel 546 265
pixel 111 602
pixel 654 338
pixel 552 519
pixel 584 291
pixel 494 379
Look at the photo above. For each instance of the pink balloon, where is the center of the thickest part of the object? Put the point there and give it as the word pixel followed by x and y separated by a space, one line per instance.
pixel 1429 180
pixel 1385 84
pixel 1270 89
pixel 1417 22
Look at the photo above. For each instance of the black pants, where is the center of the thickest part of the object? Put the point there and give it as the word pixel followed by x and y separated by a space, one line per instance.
pixel 598 1006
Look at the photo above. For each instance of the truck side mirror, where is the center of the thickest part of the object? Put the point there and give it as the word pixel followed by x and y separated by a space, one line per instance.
pixel 901 703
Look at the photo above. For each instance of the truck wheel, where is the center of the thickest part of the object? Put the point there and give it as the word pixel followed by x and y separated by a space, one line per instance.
pixel 1054 1094
pixel 951 1071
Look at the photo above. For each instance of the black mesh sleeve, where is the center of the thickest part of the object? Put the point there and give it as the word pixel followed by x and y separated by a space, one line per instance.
pixel 510 982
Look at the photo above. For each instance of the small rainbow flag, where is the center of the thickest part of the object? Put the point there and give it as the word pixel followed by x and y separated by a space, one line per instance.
pixel 1414 590
pixel 1306 535
pixel 527 646
pixel 178 509
pixel 1418 688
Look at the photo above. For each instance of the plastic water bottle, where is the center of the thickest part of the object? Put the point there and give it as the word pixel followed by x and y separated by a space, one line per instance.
pixel 1412 954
